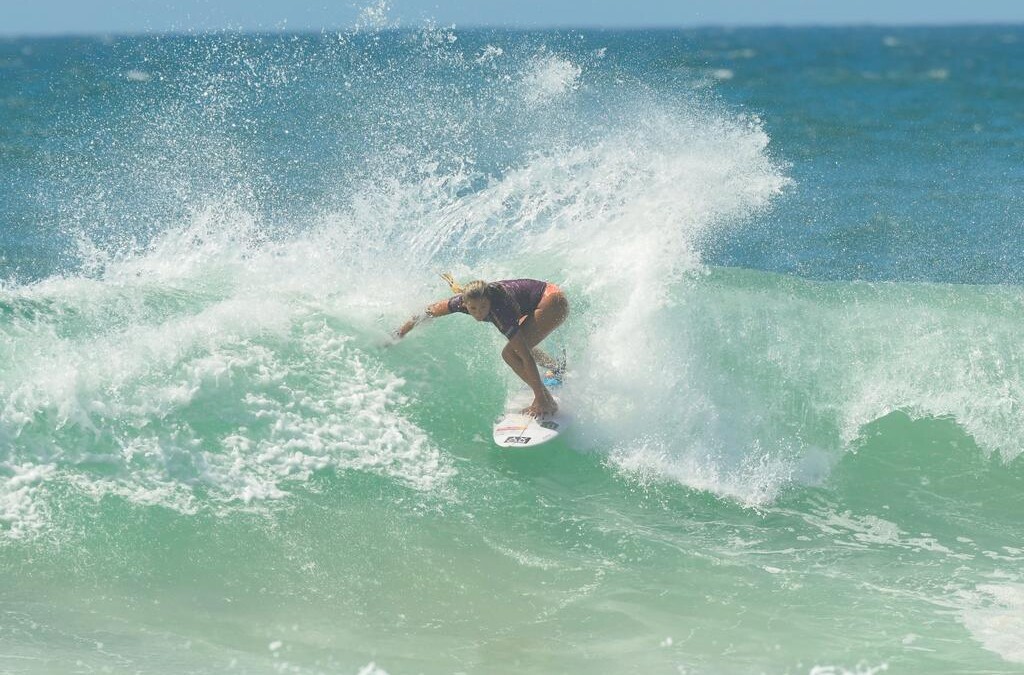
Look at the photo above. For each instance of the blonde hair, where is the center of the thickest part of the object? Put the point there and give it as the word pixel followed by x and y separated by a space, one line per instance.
pixel 477 290
pixel 450 280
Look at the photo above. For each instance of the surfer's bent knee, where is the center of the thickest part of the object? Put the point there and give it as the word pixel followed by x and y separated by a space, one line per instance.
pixel 508 353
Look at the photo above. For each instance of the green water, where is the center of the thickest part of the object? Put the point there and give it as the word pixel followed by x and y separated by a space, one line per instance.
pixel 564 559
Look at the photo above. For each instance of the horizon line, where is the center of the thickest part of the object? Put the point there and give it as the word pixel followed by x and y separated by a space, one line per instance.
pixel 193 32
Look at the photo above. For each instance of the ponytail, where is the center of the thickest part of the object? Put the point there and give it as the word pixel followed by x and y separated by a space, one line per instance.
pixel 456 288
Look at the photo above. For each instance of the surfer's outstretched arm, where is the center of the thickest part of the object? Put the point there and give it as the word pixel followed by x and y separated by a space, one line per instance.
pixel 439 308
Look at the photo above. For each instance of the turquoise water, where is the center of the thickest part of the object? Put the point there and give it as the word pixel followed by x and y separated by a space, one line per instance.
pixel 793 257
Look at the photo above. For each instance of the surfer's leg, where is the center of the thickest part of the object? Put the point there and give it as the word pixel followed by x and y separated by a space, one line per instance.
pixel 548 316
pixel 542 403
pixel 515 363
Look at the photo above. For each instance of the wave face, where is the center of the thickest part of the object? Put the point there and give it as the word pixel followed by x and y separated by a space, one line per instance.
pixel 213 456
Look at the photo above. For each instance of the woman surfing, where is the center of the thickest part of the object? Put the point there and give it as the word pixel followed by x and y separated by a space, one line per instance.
pixel 524 310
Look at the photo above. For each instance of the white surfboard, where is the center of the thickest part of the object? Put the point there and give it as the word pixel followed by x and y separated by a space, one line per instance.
pixel 513 429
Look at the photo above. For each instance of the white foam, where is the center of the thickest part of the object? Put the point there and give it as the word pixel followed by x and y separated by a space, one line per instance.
pixel 353 428
pixel 523 558
pixel 489 54
pixel 859 669
pixel 22 512
pixel 548 77
pixel 753 479
pixel 866 531
pixel 198 321
pixel 960 371
pixel 994 615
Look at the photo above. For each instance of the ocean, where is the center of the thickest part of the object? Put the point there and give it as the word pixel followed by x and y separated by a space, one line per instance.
pixel 794 260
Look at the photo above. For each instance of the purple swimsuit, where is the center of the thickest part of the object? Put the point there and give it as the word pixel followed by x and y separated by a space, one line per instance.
pixel 527 294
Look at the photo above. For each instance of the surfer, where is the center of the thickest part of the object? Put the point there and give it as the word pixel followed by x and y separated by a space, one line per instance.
pixel 524 310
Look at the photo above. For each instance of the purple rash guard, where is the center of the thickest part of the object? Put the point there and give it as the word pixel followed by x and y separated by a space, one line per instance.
pixel 527 294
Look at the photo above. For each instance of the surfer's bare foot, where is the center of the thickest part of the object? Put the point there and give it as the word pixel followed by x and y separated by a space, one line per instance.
pixel 541 408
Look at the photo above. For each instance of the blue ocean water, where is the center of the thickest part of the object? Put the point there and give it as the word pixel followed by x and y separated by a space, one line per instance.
pixel 793 258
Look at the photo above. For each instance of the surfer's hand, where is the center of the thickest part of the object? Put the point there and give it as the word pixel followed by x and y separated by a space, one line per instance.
pixel 406 327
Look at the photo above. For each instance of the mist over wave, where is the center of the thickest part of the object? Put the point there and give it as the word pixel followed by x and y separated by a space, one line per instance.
pixel 211 335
